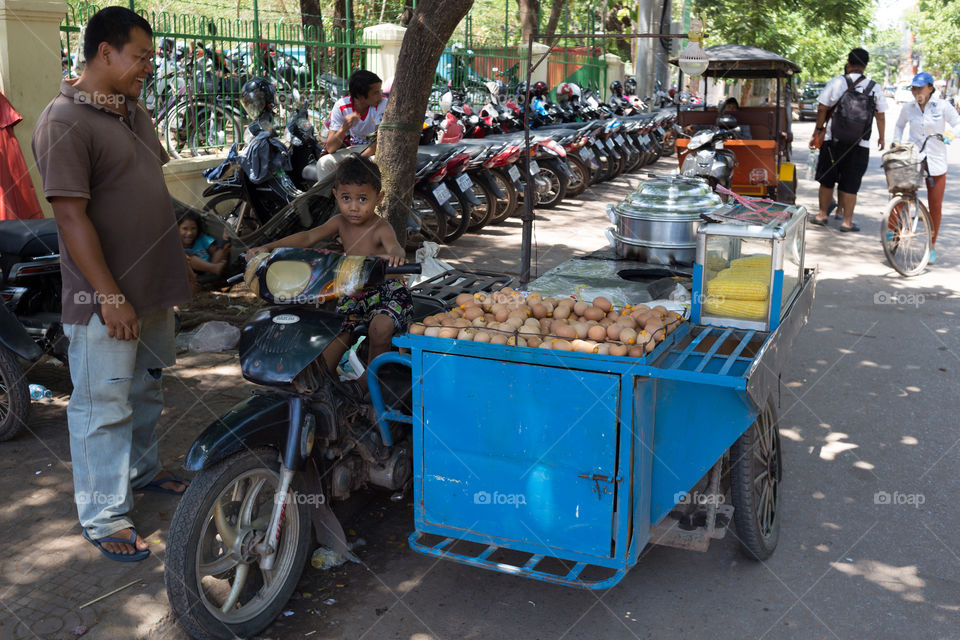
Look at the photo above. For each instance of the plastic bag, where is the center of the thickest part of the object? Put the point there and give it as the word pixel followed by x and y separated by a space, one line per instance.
pixel 430 265
pixel 215 335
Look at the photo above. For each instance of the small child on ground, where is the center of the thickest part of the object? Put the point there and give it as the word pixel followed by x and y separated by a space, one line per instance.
pixel 203 254
pixel 385 308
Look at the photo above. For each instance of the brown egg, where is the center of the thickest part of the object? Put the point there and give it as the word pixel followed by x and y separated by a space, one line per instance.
pixel 584 346
pixel 519 314
pixel 606 322
pixel 461 322
pixel 432 332
pixel 618 350
pixel 539 310
pixel 544 345
pixel 481 336
pixel 513 323
pixel 527 332
pixel 627 321
pixel 560 345
pixel 613 331
pixel 613 315
pixel 479 322
pixel 431 321
pixel 417 328
pixel 649 345
pixel 498 338
pixel 655 327
pixel 581 329
pixel 563 331
pixel 603 349
pixel 549 306
pixel 580 307
pixel 660 309
pixel 455 313
pixel 604 304
pixel 593 313
pixel 640 317
pixel 466 334
pixel 448 321
pixel 635 351
pixel 562 311
pixel 472 313
pixel 639 307
pixel 597 333
pixel 516 341
pixel 545 324
pixel 534 298
pixel 464 299
pixel 628 336
pixel 449 332
pixel 533 341
pixel 501 314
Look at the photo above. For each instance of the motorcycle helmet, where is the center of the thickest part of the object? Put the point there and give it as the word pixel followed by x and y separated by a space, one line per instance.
pixel 258 96
pixel 631 85
pixel 521 92
pixel 726 122
pixel 616 88
pixel 446 101
pixel 540 89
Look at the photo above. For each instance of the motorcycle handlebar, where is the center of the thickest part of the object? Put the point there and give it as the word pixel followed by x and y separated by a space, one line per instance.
pixel 405 269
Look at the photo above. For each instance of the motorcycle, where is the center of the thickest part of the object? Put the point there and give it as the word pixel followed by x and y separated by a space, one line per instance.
pixel 706 158
pixel 282 462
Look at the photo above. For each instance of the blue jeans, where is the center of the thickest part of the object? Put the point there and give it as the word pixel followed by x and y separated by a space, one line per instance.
pixel 116 403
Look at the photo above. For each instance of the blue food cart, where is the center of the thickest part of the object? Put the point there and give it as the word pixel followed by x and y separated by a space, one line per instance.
pixel 562 466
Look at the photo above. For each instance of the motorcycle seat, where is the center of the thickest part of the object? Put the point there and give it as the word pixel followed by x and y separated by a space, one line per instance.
pixel 28 238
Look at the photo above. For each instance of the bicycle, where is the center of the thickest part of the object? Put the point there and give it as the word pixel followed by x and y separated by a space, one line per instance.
pixel 907 230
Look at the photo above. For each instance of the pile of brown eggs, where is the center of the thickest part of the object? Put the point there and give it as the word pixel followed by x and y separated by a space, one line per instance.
pixel 564 324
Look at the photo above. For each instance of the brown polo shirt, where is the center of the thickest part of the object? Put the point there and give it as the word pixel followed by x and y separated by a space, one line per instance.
pixel 85 150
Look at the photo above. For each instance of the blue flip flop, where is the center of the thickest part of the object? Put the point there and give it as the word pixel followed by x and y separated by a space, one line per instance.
pixel 119 557
pixel 154 485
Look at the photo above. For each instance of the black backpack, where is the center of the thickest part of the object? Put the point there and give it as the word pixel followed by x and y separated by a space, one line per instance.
pixel 853 114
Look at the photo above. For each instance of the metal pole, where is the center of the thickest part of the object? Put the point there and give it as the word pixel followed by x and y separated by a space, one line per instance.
pixel 527 217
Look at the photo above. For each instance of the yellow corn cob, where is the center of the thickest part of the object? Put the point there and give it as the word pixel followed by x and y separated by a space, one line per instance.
pixel 753 261
pixel 735 308
pixel 737 289
pixel 715 262
pixel 741 273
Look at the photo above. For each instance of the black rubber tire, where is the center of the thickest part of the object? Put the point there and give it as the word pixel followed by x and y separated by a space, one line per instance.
pixel 14 396
pixel 506 207
pixel 457 226
pixel 557 180
pixel 756 459
pixel 579 168
pixel 180 561
pixel 228 204
pixel 433 218
pixel 481 216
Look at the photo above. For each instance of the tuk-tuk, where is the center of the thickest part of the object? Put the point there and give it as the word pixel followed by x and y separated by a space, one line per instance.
pixel 763 157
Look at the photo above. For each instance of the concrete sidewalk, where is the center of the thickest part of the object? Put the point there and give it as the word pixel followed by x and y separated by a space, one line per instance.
pixel 868 548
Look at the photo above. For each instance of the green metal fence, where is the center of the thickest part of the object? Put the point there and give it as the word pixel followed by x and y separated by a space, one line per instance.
pixel 202 63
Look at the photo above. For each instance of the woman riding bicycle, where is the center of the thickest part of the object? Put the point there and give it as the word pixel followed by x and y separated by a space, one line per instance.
pixel 929 116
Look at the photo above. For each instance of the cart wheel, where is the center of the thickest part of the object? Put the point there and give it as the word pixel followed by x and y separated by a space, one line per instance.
pixel 756 468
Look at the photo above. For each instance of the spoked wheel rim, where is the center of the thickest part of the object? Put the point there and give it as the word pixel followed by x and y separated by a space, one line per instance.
pixel 4 401
pixel 553 191
pixel 236 213
pixel 767 470
pixel 230 583
pixel 906 238
pixel 503 202
pixel 478 213
pixel 427 219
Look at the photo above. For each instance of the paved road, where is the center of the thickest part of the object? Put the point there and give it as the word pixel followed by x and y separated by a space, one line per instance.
pixel 868 410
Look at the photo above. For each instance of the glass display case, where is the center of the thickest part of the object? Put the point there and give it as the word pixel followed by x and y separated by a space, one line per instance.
pixel 749 266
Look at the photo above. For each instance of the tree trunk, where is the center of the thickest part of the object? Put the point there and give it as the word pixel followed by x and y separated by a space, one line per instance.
pixel 555 11
pixel 312 32
pixel 342 22
pixel 427 34
pixel 529 17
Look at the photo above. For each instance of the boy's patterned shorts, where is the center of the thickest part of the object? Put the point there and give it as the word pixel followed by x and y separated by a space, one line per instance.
pixel 391 298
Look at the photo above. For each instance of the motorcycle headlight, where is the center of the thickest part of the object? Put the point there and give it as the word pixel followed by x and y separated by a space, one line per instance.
pixel 287 279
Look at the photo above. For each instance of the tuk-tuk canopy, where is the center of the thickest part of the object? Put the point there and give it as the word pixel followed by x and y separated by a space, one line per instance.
pixel 741 61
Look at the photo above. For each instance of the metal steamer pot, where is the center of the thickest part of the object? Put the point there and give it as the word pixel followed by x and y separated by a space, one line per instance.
pixel 658 222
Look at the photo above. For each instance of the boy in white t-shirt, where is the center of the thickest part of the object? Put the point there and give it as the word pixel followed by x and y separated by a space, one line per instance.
pixel 356 116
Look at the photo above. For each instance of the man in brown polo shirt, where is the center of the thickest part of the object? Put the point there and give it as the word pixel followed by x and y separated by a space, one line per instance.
pixel 123 271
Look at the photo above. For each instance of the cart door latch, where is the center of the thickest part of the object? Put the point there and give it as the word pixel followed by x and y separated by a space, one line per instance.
pixel 597 479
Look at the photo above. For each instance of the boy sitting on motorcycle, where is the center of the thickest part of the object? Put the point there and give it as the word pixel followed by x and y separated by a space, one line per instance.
pixel 385 308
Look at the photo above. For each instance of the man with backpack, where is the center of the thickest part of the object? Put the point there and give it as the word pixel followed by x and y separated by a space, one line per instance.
pixel 848 106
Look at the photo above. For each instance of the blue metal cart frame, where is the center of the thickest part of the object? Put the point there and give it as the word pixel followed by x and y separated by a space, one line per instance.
pixel 541 454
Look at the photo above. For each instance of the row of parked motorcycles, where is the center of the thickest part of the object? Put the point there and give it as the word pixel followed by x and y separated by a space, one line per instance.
pixel 471 170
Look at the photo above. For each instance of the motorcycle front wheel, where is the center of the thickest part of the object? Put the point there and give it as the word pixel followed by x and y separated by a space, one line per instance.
pixel 428 222
pixel 212 573
pixel 236 213
pixel 14 396
pixel 557 190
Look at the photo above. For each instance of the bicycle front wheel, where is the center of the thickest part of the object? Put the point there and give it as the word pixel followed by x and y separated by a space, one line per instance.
pixel 906 235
